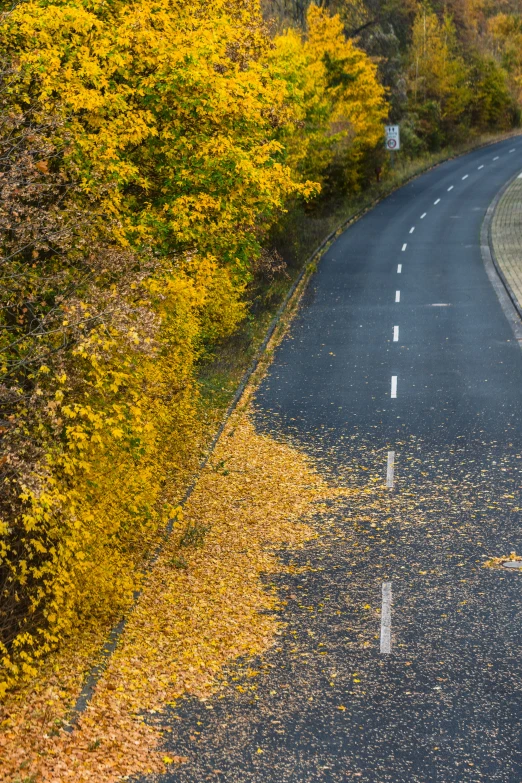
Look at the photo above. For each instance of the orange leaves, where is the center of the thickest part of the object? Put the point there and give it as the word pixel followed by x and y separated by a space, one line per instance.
pixel 189 622
pixel 174 759
pixel 42 166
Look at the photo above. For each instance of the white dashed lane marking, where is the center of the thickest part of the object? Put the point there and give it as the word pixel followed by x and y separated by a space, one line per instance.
pixel 423 215
pixel 386 618
pixel 481 167
pixel 390 470
pixel 451 188
pixel 465 176
pixel 512 150
pixel 404 246
pixel 412 229
pixel 436 202
pixel 397 296
pixel 399 269
pixel 394 387
pixel 498 156
pixel 395 334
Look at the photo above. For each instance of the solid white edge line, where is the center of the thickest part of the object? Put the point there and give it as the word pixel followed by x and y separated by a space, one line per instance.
pixel 395 334
pixel 399 266
pixel 436 202
pixel 451 188
pixel 394 387
pixel 397 296
pixel 386 618
pixel 404 246
pixel 390 470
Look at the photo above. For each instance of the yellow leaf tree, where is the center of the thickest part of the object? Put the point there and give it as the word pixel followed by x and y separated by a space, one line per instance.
pixel 339 104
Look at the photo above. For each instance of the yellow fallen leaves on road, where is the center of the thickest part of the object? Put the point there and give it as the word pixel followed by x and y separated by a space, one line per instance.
pixel 189 622
pixel 497 562
pixel 174 759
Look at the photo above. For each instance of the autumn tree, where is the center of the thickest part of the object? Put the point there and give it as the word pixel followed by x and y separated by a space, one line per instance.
pixel 438 79
pixel 337 101
pixel 472 46
pixel 147 149
pixel 506 32
pixel 140 172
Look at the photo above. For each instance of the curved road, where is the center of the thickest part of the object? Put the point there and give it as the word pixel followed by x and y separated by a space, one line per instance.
pixel 402 659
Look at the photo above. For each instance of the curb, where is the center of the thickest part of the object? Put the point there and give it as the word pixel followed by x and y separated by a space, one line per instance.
pixel 494 258
pixel 497 278
pixel 293 295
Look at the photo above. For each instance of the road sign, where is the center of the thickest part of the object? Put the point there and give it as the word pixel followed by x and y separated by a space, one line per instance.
pixel 393 137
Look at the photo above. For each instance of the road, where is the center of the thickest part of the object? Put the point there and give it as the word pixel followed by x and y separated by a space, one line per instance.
pixel 400 346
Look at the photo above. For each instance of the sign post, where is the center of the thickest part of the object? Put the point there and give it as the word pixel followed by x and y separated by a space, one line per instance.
pixel 392 140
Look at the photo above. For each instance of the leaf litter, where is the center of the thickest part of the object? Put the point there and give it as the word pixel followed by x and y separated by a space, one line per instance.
pixel 205 604
pixel 208 602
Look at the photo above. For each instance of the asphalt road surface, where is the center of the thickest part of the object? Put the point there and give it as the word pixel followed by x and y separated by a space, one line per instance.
pixel 402 658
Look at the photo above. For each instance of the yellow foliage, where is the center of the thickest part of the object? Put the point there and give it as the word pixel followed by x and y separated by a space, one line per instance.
pixel 186 132
pixel 168 102
pixel 438 73
pixel 338 102
pixel 506 32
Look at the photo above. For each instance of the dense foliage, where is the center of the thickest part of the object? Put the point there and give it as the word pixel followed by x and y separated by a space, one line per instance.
pixel 147 149
pixel 452 67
